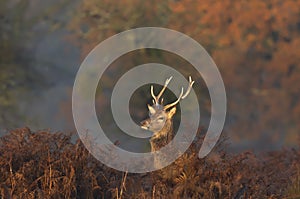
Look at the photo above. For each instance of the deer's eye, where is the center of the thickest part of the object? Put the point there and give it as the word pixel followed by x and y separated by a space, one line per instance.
pixel 160 118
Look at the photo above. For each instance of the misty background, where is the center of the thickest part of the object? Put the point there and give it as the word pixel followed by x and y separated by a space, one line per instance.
pixel 44 42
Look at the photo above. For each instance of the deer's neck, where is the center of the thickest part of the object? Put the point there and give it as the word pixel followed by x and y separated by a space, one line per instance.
pixel 162 137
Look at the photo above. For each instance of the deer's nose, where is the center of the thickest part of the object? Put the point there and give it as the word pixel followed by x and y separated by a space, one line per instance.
pixel 145 124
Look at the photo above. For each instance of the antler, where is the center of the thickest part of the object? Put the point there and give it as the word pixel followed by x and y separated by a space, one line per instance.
pixel 181 96
pixel 156 98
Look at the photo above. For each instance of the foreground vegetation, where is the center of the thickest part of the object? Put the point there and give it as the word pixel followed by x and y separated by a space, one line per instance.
pixel 50 165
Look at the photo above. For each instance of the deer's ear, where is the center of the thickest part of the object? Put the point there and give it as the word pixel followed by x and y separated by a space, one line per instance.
pixel 151 109
pixel 172 112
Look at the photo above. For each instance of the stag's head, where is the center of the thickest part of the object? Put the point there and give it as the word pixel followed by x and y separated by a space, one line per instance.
pixel 160 116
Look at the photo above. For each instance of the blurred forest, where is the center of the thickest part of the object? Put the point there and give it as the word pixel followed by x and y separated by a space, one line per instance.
pixel 23 75
pixel 254 45
pixel 14 66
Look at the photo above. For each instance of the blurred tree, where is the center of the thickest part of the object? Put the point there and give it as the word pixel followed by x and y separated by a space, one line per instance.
pixel 97 20
pixel 17 74
pixel 256 46
pixel 13 71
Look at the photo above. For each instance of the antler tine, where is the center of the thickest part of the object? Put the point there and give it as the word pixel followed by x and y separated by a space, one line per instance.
pixel 191 82
pixel 152 94
pixel 181 96
pixel 176 102
pixel 156 98
pixel 164 88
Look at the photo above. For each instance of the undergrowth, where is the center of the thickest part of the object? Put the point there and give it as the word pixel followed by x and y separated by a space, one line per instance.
pixel 49 165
